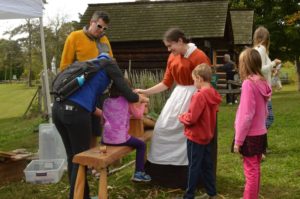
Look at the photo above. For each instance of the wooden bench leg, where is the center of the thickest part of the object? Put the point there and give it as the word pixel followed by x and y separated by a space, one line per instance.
pixel 80 183
pixel 103 184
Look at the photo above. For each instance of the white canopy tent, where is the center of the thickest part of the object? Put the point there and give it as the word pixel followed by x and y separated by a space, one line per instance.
pixel 22 9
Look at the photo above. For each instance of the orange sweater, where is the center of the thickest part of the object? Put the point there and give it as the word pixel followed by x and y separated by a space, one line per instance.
pixel 179 68
pixel 79 47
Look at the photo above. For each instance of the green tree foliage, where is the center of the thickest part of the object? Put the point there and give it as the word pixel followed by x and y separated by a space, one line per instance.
pixel 11 59
pixel 27 36
pixel 60 30
pixel 29 40
pixel 293 31
pixel 273 14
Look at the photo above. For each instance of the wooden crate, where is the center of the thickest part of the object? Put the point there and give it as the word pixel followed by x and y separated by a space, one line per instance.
pixel 12 170
pixel 12 165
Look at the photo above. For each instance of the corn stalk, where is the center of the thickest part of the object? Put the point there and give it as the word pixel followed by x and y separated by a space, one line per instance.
pixel 147 78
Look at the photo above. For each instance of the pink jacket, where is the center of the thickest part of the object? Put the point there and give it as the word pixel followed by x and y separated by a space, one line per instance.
pixel 116 114
pixel 252 112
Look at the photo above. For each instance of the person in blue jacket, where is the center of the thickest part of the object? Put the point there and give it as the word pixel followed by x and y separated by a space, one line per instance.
pixel 72 117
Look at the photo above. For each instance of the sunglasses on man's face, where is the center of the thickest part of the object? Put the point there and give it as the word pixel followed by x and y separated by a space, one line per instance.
pixel 101 27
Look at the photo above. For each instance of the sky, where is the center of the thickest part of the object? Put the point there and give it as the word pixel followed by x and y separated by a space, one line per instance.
pixel 68 9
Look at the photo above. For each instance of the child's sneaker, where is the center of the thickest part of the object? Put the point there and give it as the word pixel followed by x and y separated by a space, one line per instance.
pixel 140 176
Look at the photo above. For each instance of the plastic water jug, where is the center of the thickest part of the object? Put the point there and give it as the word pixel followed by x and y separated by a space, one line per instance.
pixel 50 143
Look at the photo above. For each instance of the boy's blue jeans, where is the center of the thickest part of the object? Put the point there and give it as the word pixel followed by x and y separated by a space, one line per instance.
pixel 200 167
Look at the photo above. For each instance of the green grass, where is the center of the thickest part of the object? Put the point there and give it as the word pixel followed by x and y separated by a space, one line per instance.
pixel 280 171
pixel 15 99
pixel 16 132
pixel 19 133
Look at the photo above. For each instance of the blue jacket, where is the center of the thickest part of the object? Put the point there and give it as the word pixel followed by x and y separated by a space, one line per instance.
pixel 87 95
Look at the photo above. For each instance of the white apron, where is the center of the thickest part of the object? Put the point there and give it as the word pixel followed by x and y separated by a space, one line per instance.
pixel 168 144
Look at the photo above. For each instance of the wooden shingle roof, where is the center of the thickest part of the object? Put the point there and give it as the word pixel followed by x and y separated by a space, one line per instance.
pixel 146 21
pixel 242 25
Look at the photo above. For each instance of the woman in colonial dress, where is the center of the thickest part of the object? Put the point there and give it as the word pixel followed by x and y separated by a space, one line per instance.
pixel 167 159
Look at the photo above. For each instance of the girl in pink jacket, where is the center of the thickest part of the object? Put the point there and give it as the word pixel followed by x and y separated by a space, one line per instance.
pixel 250 128
pixel 116 114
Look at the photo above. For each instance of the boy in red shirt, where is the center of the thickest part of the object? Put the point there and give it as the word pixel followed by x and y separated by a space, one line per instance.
pixel 199 127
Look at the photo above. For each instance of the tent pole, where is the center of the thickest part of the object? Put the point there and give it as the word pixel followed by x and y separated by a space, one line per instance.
pixel 48 100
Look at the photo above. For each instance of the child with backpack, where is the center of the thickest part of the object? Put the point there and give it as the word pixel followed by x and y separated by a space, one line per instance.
pixel 116 114
pixel 250 129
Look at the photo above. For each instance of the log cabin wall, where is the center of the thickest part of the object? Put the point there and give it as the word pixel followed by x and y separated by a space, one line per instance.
pixel 146 54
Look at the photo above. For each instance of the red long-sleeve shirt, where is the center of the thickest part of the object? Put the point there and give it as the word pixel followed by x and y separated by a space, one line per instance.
pixel 200 120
